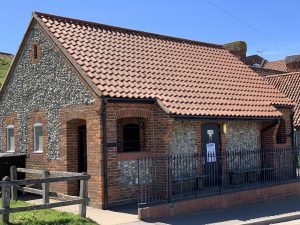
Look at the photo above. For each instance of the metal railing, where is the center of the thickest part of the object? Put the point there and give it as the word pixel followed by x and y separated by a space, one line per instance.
pixel 178 176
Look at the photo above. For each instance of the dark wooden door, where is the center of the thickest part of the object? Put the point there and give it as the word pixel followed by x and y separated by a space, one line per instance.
pixel 211 153
pixel 82 149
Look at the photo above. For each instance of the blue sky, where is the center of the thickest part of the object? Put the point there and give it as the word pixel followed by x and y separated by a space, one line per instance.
pixel 269 26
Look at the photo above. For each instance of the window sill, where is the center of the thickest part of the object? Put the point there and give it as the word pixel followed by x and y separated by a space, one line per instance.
pixel 125 156
pixel 38 152
pixel 11 151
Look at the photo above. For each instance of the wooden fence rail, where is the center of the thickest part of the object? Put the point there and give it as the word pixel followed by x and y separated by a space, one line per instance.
pixel 10 186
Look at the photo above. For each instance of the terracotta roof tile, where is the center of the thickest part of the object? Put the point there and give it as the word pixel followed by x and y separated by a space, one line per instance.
pixel 288 84
pixel 187 77
pixel 278 65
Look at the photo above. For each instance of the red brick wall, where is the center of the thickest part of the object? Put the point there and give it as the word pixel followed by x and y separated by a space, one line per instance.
pixel 75 115
pixel 221 201
pixel 269 136
pixel 158 134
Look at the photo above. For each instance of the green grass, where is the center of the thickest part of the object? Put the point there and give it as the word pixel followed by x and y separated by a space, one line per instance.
pixel 4 66
pixel 45 217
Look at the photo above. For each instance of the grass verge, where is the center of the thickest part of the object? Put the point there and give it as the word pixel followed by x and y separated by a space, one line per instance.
pixel 4 66
pixel 45 217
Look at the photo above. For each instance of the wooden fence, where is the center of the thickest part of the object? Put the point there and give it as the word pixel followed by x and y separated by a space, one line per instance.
pixel 10 187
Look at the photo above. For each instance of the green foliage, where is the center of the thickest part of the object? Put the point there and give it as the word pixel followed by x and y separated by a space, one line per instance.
pixel 4 66
pixel 45 217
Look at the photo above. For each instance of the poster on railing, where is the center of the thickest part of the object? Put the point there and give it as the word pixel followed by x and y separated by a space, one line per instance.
pixel 211 152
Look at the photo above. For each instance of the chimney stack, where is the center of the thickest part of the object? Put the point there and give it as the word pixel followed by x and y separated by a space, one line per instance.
pixel 293 63
pixel 238 49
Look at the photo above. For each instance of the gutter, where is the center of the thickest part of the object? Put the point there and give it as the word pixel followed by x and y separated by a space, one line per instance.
pixel 266 129
pixel 104 144
pixel 225 118
pixel 132 100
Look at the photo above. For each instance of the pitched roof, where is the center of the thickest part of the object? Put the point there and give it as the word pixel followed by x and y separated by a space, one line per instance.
pixel 278 65
pixel 288 84
pixel 186 77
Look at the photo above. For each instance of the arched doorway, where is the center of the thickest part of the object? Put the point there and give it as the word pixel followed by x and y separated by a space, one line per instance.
pixel 76 151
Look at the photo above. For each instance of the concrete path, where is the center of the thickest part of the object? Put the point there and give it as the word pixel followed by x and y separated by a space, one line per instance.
pixel 102 217
pixel 279 212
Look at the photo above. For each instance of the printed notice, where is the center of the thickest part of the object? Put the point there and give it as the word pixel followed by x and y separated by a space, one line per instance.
pixel 211 152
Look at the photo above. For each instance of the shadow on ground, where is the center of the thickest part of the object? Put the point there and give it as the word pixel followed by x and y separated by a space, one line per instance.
pixel 129 209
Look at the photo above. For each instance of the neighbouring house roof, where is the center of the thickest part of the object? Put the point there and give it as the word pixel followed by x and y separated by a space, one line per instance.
pixel 186 77
pixel 253 60
pixel 288 84
pixel 279 65
pixel 265 67
pixel 265 72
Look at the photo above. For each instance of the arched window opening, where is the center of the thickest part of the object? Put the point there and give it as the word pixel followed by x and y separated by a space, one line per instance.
pixel 131 138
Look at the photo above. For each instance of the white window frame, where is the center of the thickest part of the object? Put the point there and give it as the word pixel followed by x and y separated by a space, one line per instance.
pixel 34 138
pixel 8 137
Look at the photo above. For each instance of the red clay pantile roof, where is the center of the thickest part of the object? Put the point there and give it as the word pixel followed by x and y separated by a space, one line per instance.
pixel 288 84
pixel 279 65
pixel 186 77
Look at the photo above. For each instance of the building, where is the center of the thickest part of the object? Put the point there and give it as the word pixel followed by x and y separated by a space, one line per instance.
pixel 288 83
pixel 82 96
pixel 284 75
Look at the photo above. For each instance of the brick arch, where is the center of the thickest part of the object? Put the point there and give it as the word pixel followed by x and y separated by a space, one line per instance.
pixel 140 113
pixel 75 115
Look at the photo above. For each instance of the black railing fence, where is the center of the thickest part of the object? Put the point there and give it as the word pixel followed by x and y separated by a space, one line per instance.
pixel 177 176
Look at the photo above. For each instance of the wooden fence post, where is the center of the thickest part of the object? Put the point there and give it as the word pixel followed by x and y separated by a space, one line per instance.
pixel 45 187
pixel 13 176
pixel 83 195
pixel 5 200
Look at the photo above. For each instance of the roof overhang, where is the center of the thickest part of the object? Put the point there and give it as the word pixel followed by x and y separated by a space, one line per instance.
pixel 129 100
pixel 186 117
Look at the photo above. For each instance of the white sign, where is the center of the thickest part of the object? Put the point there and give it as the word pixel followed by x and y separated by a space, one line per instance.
pixel 211 152
pixel 210 132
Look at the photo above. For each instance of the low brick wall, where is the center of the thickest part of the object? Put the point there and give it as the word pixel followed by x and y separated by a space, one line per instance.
pixel 221 201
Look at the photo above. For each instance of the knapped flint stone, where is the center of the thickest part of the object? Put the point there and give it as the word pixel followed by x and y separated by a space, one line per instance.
pixel 47 85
